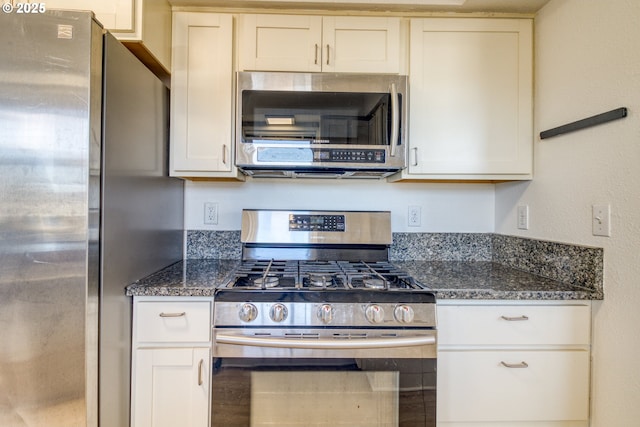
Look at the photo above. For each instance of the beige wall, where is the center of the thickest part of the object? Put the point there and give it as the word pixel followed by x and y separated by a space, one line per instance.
pixel 445 207
pixel 588 62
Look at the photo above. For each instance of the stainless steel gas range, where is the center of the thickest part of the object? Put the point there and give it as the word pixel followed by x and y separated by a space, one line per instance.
pixel 317 327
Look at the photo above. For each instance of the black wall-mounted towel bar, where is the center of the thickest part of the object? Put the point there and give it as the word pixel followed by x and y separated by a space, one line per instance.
pixel 598 119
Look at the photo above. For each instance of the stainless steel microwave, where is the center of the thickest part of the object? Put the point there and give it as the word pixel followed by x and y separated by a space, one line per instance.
pixel 321 125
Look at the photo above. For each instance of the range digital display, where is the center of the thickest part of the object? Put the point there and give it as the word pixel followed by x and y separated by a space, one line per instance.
pixel 317 223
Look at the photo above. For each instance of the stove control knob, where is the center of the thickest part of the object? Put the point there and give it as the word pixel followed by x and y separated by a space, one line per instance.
pixel 248 312
pixel 374 313
pixel 325 313
pixel 278 312
pixel 403 313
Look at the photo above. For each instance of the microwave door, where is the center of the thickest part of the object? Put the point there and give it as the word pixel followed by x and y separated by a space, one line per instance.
pixel 336 118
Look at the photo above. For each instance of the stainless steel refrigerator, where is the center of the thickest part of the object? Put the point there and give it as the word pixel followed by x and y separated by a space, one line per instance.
pixel 86 208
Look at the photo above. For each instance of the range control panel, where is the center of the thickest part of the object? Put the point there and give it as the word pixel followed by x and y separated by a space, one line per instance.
pixel 316 222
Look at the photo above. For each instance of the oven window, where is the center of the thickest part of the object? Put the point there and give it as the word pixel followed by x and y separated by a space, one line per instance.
pixel 323 392
pixel 316 117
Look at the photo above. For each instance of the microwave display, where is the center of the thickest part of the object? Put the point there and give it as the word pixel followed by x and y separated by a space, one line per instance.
pixel 342 118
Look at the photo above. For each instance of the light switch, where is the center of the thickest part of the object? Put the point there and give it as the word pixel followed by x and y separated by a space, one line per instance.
pixel 523 217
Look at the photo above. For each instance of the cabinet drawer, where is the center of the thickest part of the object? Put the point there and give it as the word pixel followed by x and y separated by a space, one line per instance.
pixel 514 325
pixel 173 321
pixel 476 386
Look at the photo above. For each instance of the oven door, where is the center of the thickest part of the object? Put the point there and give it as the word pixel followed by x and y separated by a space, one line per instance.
pixel 324 378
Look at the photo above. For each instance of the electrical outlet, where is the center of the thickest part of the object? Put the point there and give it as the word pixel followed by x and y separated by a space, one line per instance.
pixel 415 216
pixel 523 217
pixel 210 213
pixel 601 220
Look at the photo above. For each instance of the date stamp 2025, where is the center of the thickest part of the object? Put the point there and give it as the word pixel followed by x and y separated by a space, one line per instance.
pixel 8 7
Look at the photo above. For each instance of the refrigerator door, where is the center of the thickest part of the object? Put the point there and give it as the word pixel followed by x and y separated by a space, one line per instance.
pixel 48 250
pixel 87 208
pixel 141 212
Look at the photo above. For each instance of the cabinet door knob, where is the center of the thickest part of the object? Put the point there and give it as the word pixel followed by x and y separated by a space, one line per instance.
pixel 515 365
pixel 514 319
pixel 327 54
pixel 315 58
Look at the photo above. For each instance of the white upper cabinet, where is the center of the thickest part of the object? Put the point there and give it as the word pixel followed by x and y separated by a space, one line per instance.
pixel 115 15
pixel 143 25
pixel 315 43
pixel 202 96
pixel 471 99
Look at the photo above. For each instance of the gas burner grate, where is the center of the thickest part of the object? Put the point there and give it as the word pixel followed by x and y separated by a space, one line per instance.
pixel 259 274
pixel 321 275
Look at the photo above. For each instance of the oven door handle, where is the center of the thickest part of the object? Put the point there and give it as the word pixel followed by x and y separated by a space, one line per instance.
pixel 331 343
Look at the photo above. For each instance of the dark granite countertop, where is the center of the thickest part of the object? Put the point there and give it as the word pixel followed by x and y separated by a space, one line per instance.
pixel 448 279
pixel 490 280
pixel 191 277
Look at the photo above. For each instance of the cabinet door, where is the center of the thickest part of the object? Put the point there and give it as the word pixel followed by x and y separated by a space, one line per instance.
pixel 113 14
pixel 171 387
pixel 475 386
pixel 471 98
pixel 202 95
pixel 281 43
pixel 315 43
pixel 361 44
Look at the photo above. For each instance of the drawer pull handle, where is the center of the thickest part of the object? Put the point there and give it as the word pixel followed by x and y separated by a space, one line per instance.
pixel 515 365
pixel 514 319
pixel 173 314
pixel 200 371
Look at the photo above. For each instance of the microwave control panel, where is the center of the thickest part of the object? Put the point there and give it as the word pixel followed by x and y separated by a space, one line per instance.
pixel 326 155
pixel 348 155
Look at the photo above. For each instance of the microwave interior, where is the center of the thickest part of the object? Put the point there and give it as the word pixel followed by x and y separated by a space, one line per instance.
pixel 316 117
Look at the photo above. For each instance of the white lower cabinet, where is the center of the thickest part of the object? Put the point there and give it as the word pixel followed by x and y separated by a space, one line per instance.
pixel 505 363
pixel 171 380
pixel 172 387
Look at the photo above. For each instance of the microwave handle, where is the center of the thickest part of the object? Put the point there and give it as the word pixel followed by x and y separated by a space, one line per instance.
pixel 395 120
